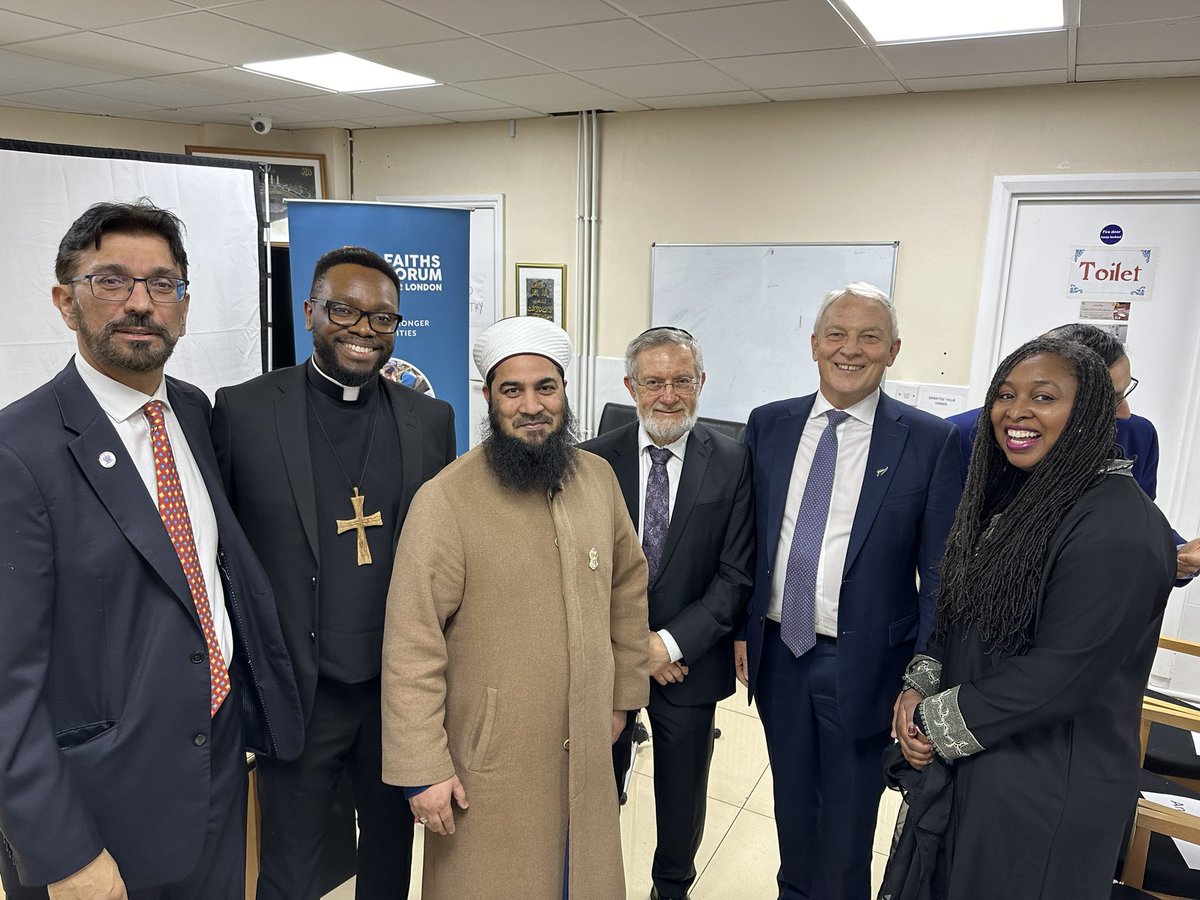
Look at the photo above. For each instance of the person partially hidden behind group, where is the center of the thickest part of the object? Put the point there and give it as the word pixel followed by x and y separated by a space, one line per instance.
pixel 1136 435
pixel 1053 586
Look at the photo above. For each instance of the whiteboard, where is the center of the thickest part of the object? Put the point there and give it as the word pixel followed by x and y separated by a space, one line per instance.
pixel 752 308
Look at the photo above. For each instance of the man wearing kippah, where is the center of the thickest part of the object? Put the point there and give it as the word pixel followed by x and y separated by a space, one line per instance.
pixel 514 644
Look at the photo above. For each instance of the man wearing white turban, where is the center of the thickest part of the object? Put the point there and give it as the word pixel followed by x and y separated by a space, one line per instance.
pixel 515 641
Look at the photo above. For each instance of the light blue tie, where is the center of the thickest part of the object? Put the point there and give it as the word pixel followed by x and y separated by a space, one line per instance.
pixel 798 618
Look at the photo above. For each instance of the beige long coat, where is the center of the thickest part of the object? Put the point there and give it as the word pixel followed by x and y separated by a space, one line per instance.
pixel 516 623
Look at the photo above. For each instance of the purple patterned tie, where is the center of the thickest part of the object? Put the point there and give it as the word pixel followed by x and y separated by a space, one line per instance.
pixel 798 618
pixel 658 509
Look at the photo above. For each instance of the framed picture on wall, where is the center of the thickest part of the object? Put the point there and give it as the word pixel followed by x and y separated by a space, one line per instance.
pixel 290 176
pixel 541 290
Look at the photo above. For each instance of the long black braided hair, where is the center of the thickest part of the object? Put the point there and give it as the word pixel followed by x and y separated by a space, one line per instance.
pixel 992 570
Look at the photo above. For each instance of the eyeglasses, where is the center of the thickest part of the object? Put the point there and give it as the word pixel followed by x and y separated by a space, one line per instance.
pixel 682 386
pixel 348 316
pixel 119 288
pixel 1133 383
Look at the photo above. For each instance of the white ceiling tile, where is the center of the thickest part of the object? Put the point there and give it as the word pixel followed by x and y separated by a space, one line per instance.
pixel 110 54
pixel 338 106
pixel 1122 71
pixel 19 72
pixel 835 91
pixel 15 27
pixel 155 94
pixel 655 7
pixel 776 27
pixel 594 45
pixel 492 115
pixel 1112 12
pixel 983 82
pixel 237 84
pixel 1140 42
pixel 435 99
pixel 686 101
pixel 240 113
pixel 84 15
pixel 361 25
pixel 467 59
pixel 223 40
pixel 978 56
pixel 551 93
pixel 662 80
pixel 493 16
pixel 78 102
pixel 398 118
pixel 192 117
pixel 776 70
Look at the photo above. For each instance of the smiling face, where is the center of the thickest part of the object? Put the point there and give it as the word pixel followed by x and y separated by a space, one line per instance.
pixel 526 396
pixel 128 341
pixel 852 345
pixel 666 414
pixel 1032 407
pixel 351 355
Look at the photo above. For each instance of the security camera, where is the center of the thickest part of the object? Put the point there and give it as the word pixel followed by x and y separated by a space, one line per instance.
pixel 260 124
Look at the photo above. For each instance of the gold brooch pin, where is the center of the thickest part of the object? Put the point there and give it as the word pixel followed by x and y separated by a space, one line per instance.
pixel 593 558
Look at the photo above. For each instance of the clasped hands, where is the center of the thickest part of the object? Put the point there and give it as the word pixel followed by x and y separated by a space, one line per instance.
pixel 917 749
pixel 661 668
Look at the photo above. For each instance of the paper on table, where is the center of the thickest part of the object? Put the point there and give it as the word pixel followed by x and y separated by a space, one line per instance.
pixel 1189 852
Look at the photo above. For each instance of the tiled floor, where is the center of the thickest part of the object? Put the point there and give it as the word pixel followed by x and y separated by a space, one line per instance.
pixel 739 854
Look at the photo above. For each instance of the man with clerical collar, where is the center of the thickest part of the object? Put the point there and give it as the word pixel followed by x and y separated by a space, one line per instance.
pixel 515 643
pixel 140 653
pixel 321 461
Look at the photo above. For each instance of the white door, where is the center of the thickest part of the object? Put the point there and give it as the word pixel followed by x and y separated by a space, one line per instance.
pixel 1037 229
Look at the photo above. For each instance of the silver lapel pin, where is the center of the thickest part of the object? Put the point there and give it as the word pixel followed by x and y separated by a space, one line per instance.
pixel 879 472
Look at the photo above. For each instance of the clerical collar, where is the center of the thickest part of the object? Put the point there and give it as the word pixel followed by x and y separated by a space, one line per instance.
pixel 336 389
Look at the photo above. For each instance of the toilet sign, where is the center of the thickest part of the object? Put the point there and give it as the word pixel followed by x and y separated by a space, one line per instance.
pixel 1127 273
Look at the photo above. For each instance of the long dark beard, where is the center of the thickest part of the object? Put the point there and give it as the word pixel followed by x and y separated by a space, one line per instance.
pixel 526 466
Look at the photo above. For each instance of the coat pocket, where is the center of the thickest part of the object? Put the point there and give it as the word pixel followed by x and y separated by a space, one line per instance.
pixel 75 737
pixel 480 756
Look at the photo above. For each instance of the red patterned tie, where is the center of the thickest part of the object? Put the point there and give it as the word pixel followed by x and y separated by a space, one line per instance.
pixel 173 509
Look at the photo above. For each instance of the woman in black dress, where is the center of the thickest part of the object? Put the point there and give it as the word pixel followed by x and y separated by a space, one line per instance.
pixel 1056 574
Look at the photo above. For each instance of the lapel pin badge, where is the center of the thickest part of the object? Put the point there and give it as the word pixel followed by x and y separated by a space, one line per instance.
pixel 593 559
pixel 879 472
pixel 108 459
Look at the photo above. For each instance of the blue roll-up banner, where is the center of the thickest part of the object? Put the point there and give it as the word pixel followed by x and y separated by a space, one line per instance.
pixel 430 251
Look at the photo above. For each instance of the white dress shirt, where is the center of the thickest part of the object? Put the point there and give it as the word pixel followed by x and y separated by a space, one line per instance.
pixel 854 442
pixel 123 405
pixel 674 471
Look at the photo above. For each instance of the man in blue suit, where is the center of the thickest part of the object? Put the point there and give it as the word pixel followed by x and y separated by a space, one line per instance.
pixel 855 493
pixel 140 654
pixel 1136 434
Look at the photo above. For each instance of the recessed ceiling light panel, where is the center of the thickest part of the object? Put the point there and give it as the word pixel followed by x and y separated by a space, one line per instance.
pixel 339 72
pixel 892 21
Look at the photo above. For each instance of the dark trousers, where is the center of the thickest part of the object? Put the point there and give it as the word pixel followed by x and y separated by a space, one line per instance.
pixel 220 873
pixel 827 782
pixel 343 736
pixel 683 748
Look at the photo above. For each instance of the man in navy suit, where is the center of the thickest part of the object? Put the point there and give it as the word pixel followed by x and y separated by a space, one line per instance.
pixel 141 653
pixel 855 493
pixel 700 556
pixel 1136 434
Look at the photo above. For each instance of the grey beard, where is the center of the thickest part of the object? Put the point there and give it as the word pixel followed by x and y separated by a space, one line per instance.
pixel 670 433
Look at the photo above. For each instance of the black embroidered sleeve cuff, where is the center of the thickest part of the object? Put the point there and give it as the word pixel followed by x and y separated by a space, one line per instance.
pixel 945 727
pixel 923 675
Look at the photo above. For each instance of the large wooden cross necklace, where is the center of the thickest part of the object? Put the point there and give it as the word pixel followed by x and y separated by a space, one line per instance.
pixel 360 523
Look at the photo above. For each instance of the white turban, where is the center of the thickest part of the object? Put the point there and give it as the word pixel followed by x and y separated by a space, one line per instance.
pixel 518 335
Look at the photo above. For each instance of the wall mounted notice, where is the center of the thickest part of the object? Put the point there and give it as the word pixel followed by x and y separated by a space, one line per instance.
pixel 1112 272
